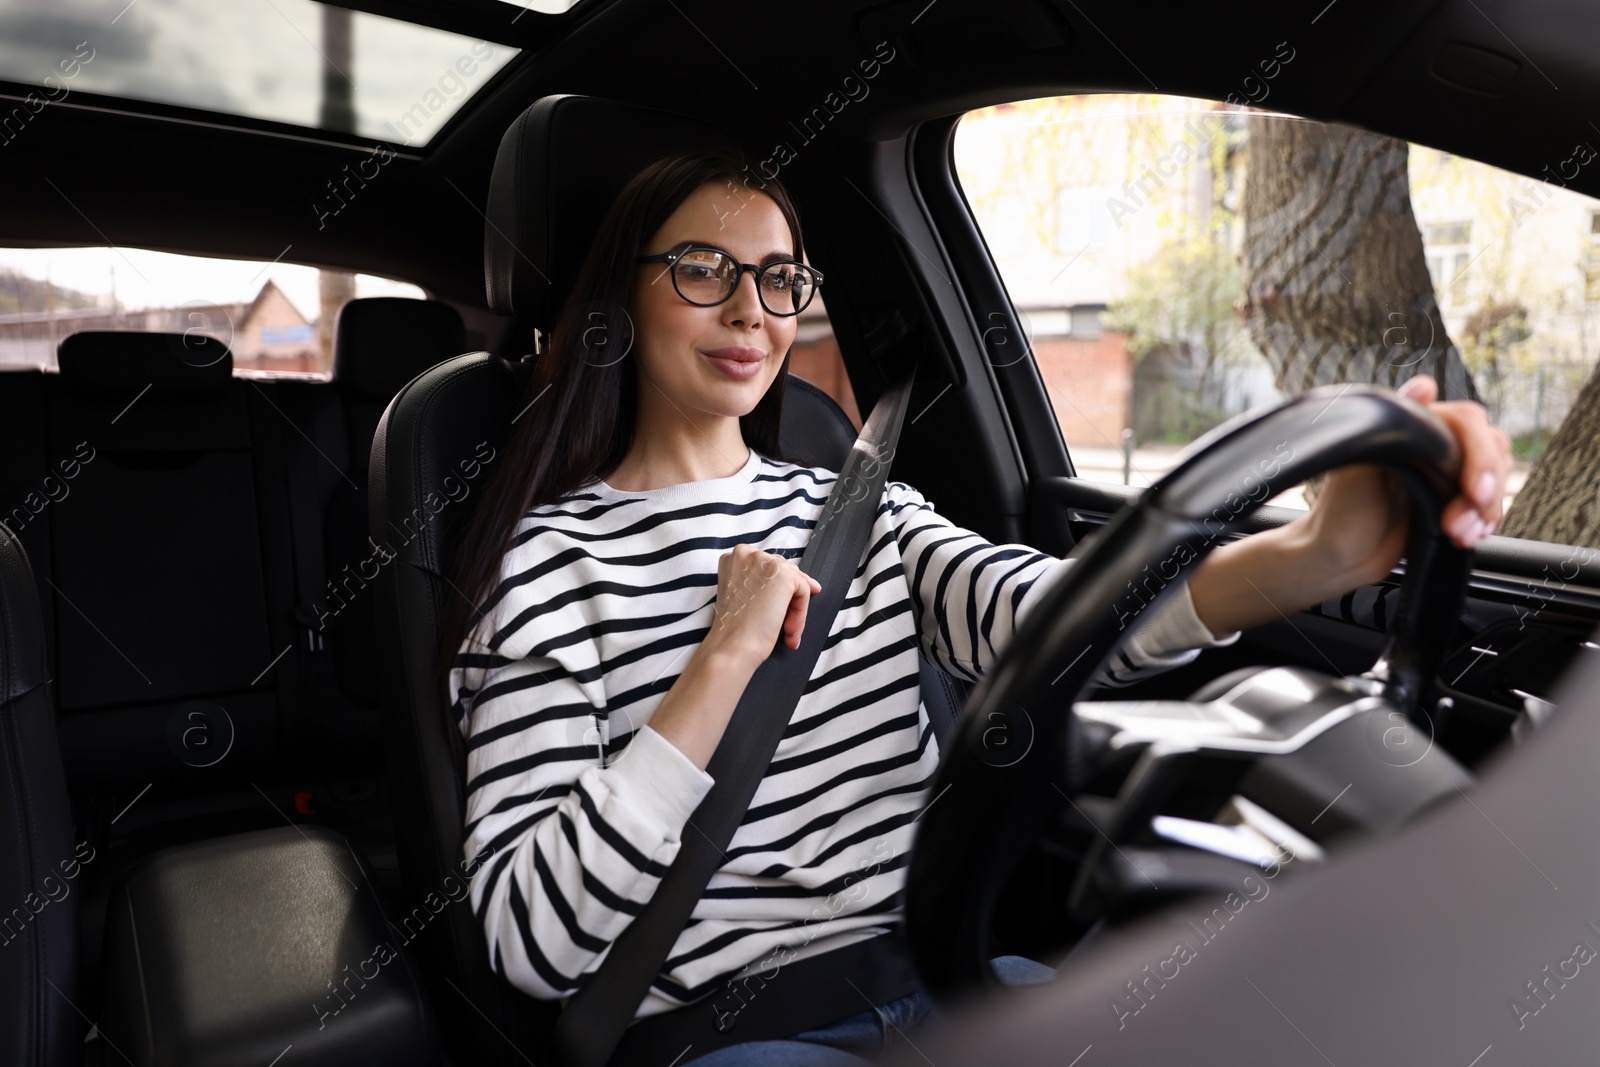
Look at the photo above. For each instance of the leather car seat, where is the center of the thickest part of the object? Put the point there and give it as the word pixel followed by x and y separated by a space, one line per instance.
pixel 380 344
pixel 39 1023
pixel 558 168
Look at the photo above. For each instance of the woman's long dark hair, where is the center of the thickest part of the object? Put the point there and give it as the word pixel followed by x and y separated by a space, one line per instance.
pixel 583 427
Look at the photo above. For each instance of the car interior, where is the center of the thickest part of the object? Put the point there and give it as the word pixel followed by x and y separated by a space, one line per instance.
pixel 227 805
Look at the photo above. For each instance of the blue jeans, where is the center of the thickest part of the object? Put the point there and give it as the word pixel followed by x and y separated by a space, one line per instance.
pixel 875 1032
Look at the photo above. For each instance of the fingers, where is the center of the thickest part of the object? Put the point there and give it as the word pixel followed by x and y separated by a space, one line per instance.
pixel 794 623
pixel 1485 463
pixel 1422 388
pixel 747 575
pixel 1485 469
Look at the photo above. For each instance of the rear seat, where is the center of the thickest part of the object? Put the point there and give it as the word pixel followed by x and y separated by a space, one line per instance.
pixel 185 526
pixel 163 646
pixel 325 437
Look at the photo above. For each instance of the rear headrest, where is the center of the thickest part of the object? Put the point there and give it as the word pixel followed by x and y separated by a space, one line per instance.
pixel 382 342
pixel 124 359
pixel 560 165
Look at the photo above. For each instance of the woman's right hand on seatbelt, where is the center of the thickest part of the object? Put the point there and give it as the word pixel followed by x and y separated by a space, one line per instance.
pixel 761 597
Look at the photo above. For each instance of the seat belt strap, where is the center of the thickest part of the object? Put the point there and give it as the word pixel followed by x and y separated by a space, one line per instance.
pixel 311 447
pixel 588 1031
pixel 312 435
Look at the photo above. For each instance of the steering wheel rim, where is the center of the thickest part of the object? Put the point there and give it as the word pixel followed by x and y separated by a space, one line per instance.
pixel 965 849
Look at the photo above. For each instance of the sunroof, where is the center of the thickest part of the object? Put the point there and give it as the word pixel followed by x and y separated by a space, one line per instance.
pixel 293 61
pixel 545 7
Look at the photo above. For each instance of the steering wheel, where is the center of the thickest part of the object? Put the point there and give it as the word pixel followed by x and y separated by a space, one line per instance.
pixel 1243 773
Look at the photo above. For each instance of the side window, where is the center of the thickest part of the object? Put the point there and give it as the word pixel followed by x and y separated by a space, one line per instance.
pixel 276 317
pixel 815 357
pixel 1176 262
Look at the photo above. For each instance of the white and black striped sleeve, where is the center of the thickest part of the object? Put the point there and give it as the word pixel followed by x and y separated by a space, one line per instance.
pixel 969 597
pixel 575 847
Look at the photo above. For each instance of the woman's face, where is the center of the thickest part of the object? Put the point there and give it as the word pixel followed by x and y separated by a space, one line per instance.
pixel 676 340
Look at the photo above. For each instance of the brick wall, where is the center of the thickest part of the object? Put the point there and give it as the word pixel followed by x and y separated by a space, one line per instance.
pixel 1090 382
pixel 819 363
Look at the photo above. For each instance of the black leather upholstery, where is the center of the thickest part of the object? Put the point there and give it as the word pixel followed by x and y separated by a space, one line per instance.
pixel 162 526
pixel 38 894
pixel 232 950
pixel 541 217
pixel 381 344
pixel 121 359
pixel 436 423
pixel 560 156
pixel 815 431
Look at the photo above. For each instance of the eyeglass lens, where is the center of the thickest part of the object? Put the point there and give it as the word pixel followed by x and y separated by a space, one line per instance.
pixel 706 276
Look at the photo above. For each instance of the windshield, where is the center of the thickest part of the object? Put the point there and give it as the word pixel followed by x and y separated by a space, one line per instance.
pixel 292 61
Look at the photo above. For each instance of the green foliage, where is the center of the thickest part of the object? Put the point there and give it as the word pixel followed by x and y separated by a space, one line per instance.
pixel 1492 332
pixel 1493 349
pixel 19 292
pixel 1171 414
pixel 1180 307
pixel 1181 298
pixel 1530 446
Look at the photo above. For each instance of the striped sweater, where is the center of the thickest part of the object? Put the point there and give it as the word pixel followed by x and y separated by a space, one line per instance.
pixel 577 807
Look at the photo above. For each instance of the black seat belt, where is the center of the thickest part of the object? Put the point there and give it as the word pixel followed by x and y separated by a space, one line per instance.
pixel 309 451
pixel 590 1027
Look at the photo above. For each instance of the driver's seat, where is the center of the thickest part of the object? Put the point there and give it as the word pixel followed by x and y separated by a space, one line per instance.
pixel 559 166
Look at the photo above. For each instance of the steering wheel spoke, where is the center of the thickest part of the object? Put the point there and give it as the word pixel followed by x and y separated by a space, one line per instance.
pixel 1256 774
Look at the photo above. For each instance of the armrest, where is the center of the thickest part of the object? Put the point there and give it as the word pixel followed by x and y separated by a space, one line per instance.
pixel 233 950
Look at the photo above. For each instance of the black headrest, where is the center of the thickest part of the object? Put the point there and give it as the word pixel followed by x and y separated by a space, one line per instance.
pixel 125 359
pixel 560 166
pixel 383 342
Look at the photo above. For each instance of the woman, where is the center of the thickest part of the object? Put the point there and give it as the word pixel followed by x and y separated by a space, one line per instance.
pixel 632 563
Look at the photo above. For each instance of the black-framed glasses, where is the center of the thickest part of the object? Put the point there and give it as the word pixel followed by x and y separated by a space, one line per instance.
pixel 707 276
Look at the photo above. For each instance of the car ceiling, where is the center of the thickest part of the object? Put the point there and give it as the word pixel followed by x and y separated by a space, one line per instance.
pixel 188 182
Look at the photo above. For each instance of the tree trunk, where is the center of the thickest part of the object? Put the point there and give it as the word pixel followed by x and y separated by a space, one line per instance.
pixel 1558 502
pixel 1337 288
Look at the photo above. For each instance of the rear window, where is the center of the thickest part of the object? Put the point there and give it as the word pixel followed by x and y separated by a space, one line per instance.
pixel 276 317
